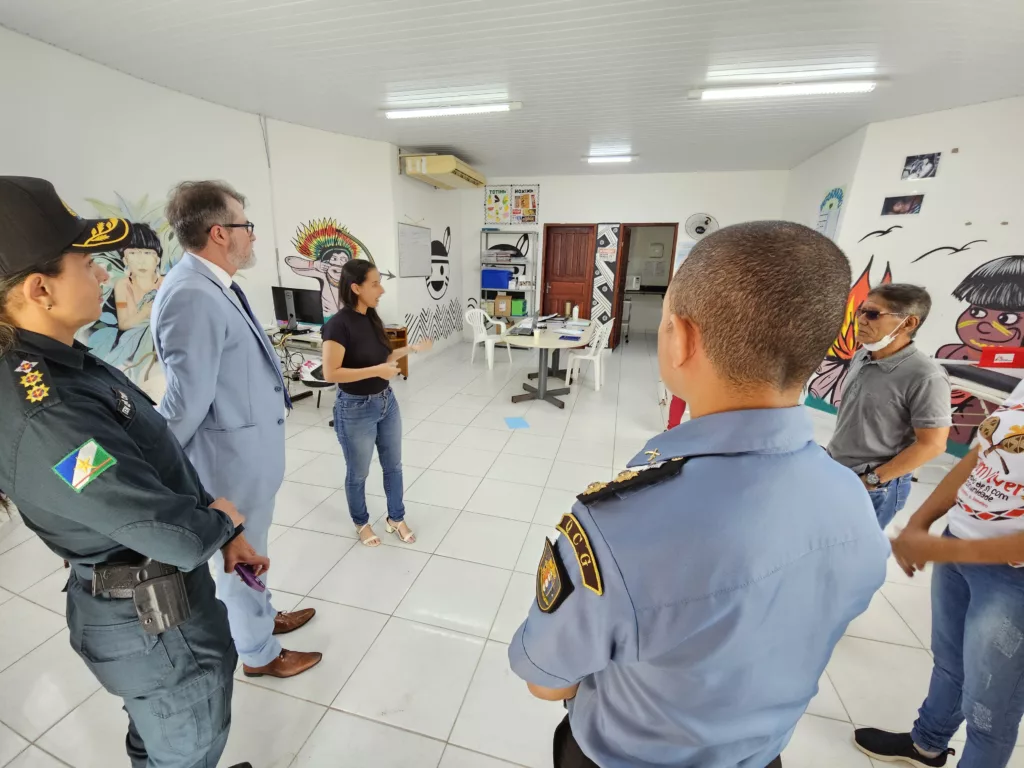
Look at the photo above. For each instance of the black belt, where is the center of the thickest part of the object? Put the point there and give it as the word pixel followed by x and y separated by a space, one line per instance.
pixel 119 581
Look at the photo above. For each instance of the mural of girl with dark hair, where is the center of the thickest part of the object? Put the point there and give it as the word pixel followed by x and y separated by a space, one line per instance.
pixel 994 318
pixel 121 336
pixel 325 247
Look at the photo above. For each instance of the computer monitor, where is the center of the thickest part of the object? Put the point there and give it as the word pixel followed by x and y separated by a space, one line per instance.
pixel 297 305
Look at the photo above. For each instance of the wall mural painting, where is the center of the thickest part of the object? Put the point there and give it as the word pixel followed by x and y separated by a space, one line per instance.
pixel 136 268
pixel 437 322
pixel 603 295
pixel 440 268
pixel 829 380
pixel 324 247
pixel 994 293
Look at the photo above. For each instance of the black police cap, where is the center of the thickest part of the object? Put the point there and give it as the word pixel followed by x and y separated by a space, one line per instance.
pixel 36 226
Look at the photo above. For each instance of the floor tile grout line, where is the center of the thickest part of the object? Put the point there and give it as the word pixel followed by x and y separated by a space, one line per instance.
pixel 907 623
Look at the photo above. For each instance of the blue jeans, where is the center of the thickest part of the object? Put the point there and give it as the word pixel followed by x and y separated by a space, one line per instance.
pixel 362 421
pixel 890 499
pixel 978 643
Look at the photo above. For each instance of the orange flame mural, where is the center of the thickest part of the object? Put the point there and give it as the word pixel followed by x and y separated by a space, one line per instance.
pixel 828 380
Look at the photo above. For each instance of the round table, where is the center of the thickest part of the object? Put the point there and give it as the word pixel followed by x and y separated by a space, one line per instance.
pixel 546 340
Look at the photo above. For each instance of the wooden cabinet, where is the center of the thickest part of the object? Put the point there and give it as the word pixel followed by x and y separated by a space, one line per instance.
pixel 399 337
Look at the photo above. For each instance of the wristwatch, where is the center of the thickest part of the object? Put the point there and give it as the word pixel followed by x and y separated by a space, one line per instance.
pixel 873 479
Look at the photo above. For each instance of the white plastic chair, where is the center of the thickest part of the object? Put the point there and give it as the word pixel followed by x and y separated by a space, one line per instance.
pixel 481 322
pixel 594 351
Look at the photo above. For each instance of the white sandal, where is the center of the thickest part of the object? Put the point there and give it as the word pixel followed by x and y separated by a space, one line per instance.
pixel 373 540
pixel 410 539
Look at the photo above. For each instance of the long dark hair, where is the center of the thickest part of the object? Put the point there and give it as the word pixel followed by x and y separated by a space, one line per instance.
pixel 8 283
pixel 355 272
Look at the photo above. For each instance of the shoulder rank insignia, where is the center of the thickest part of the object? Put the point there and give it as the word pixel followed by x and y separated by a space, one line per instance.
pixel 633 478
pixel 577 537
pixel 83 465
pixel 33 380
pixel 553 584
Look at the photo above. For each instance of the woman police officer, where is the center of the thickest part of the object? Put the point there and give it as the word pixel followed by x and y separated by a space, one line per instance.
pixel 95 472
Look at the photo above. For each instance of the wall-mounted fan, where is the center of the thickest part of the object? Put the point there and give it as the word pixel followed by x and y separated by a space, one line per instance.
pixel 700 225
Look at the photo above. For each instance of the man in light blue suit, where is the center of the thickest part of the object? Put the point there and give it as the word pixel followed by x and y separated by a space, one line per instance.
pixel 226 399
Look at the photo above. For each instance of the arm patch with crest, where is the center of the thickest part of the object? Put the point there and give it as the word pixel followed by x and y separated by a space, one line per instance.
pixel 553 583
pixel 577 537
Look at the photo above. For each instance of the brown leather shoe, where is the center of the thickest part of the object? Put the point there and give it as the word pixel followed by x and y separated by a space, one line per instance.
pixel 288 664
pixel 289 621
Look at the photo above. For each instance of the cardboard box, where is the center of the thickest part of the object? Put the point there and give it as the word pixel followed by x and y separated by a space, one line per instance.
pixel 502 305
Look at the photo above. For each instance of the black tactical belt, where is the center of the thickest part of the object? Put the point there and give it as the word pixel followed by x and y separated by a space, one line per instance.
pixel 119 581
pixel 158 589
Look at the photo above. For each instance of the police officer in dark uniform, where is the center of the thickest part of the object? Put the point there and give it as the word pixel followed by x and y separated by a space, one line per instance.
pixel 688 608
pixel 97 475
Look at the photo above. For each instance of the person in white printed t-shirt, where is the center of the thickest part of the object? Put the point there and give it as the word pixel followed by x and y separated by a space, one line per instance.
pixel 977 603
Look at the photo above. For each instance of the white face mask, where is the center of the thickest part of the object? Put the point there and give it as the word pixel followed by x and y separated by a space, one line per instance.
pixel 885 341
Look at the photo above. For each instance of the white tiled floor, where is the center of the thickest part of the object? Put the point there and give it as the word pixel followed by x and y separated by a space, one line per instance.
pixel 415 671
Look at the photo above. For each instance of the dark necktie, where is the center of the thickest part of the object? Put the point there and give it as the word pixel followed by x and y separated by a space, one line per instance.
pixel 248 310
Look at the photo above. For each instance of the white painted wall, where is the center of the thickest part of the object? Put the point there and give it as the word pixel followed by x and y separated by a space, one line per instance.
pixel 432 306
pixel 809 182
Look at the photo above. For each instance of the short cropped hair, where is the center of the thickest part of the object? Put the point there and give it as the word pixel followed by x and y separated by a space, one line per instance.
pixel 905 299
pixel 769 298
pixel 195 206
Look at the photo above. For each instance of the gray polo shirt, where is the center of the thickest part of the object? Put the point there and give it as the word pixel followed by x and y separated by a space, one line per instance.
pixel 884 401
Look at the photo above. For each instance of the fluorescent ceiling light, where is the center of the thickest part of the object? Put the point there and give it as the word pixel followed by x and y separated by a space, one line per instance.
pixel 467 109
pixel 783 74
pixel 786 89
pixel 609 159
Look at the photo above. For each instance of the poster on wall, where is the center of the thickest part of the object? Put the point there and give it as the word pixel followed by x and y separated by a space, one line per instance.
pixel 524 204
pixel 602 297
pixel 903 205
pixel 921 166
pixel 497 205
pixel 828 212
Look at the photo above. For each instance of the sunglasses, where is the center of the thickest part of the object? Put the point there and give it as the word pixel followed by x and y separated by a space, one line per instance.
pixel 248 227
pixel 874 314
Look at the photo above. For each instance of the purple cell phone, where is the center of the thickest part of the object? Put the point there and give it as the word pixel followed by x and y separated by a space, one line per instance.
pixel 250 578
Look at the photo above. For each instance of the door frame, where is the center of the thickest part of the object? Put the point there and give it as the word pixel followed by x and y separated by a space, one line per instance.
pixel 621 261
pixel 591 247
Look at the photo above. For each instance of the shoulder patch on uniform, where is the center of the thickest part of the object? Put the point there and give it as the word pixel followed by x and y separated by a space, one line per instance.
pixel 633 478
pixel 83 465
pixel 32 382
pixel 577 537
pixel 553 583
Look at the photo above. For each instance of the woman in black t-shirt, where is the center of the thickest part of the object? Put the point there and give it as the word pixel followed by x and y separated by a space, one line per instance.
pixel 359 358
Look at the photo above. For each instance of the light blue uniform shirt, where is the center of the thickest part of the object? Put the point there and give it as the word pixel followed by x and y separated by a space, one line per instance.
pixel 725 589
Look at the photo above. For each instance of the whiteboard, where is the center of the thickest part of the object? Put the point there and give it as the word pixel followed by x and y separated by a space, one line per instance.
pixel 413 251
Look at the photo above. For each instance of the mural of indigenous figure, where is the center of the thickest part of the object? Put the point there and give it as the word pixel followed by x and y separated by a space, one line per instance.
pixel 440 268
pixel 121 336
pixel 828 381
pixel 324 247
pixel 994 318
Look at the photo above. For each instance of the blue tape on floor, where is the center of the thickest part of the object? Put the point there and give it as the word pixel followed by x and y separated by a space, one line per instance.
pixel 516 422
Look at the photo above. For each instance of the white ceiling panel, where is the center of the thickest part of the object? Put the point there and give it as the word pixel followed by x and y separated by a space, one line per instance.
pixel 595 75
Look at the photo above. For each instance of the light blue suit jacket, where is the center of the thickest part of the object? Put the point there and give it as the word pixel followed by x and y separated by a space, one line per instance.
pixel 225 392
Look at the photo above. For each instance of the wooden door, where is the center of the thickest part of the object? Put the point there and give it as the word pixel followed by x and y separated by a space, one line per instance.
pixel 569 252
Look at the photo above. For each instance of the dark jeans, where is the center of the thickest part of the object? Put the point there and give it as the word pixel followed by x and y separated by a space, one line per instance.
pixel 890 499
pixel 361 422
pixel 569 755
pixel 978 644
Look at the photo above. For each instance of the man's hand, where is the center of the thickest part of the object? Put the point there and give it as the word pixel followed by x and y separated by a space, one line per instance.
pixel 238 550
pixel 914 548
pixel 230 510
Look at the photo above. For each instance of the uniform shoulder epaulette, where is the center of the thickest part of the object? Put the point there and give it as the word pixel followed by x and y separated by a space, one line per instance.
pixel 32 382
pixel 633 478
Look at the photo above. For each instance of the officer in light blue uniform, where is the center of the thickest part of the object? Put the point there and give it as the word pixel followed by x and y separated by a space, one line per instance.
pixel 688 608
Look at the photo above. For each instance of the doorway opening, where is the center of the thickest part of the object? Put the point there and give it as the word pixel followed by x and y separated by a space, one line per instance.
pixel 643 271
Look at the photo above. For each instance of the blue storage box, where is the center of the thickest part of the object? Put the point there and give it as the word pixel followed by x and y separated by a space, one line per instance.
pixel 495 278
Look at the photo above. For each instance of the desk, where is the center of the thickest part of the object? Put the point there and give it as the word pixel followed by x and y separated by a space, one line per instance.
pixel 398 336
pixel 303 344
pixel 545 340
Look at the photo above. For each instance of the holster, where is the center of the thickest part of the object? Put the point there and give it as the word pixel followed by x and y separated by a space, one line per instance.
pixel 158 590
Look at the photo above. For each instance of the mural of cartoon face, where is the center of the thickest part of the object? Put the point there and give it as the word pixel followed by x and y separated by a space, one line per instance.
pixel 995 315
pixel 440 268
pixel 332 261
pixel 979 327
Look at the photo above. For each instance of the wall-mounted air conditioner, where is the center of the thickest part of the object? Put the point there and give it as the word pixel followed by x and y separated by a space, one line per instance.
pixel 442 171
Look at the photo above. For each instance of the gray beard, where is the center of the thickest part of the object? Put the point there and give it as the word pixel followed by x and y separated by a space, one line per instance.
pixel 245 264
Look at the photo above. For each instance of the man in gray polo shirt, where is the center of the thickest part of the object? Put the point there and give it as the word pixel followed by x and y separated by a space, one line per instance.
pixel 895 411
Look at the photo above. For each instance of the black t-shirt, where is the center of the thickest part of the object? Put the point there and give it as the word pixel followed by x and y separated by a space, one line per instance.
pixel 363 348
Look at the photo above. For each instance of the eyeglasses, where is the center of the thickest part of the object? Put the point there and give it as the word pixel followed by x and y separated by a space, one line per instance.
pixel 874 314
pixel 248 226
